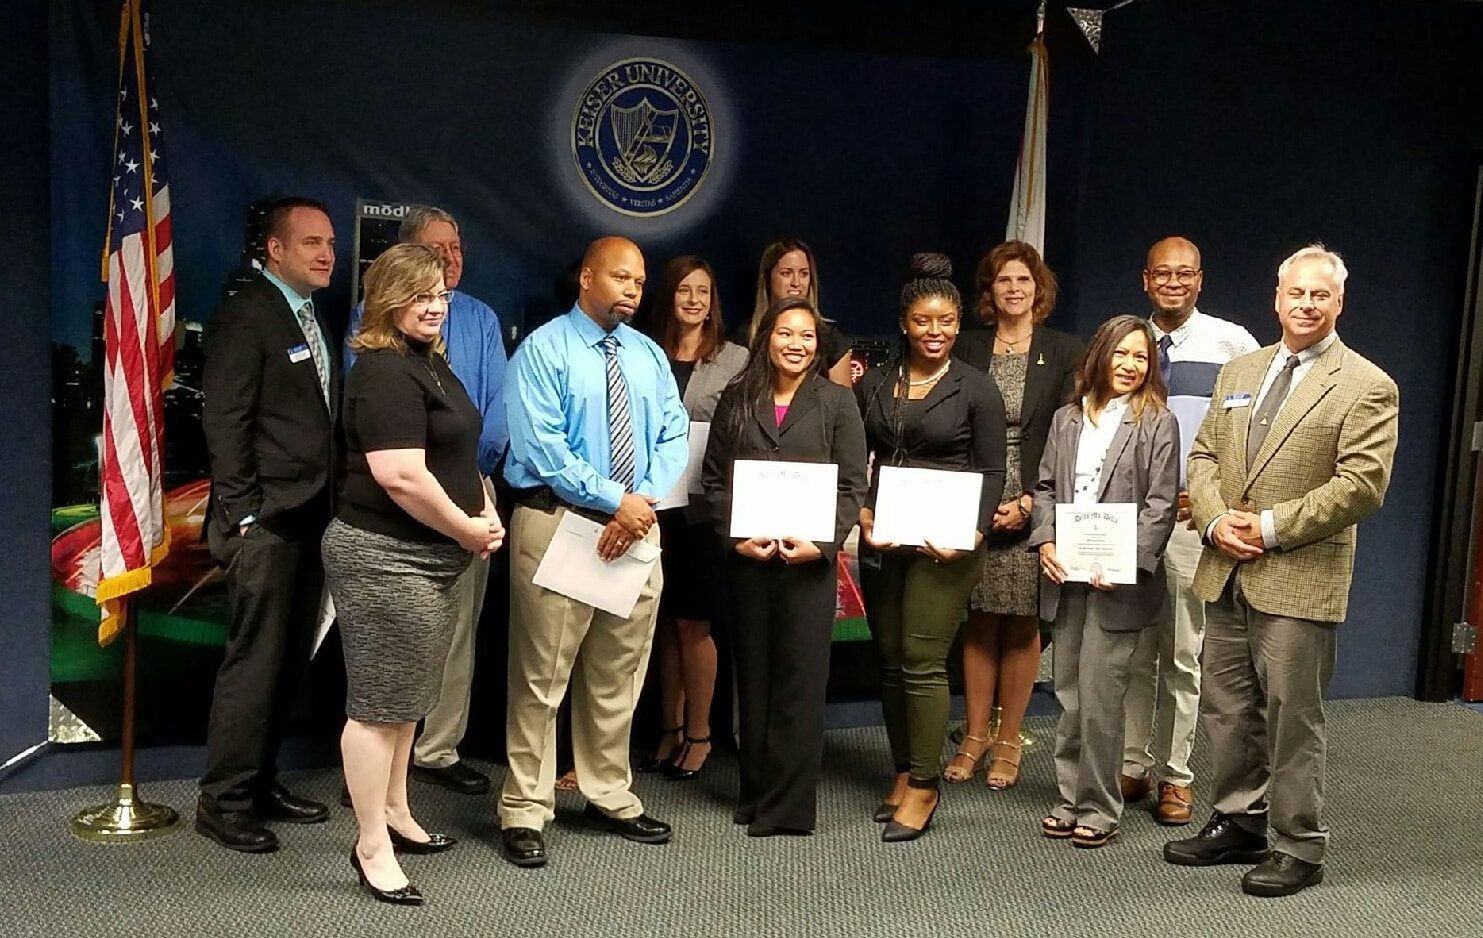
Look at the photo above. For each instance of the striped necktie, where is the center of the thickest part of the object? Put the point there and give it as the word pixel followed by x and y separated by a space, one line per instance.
pixel 1165 365
pixel 620 426
pixel 317 350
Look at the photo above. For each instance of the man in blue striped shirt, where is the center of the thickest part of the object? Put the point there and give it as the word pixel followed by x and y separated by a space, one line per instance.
pixel 1164 693
pixel 475 349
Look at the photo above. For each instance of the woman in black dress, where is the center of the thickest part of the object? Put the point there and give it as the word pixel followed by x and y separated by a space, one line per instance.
pixel 411 510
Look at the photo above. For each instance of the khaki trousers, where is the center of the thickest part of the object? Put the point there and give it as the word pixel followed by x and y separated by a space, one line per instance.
pixel 556 642
pixel 1164 696
pixel 1265 676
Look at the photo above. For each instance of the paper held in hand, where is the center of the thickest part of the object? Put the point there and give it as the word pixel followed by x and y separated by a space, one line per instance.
pixel 572 568
pixel 914 506
pixel 1098 537
pixel 689 483
pixel 784 499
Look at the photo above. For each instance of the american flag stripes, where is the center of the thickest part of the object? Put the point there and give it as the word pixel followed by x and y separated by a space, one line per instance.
pixel 139 338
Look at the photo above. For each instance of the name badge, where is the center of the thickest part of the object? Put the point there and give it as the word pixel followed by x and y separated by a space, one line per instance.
pixel 298 353
pixel 1236 400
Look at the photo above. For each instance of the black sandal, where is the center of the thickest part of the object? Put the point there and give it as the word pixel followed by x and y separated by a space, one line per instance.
pixel 674 770
pixel 654 763
pixel 1091 838
pixel 1055 828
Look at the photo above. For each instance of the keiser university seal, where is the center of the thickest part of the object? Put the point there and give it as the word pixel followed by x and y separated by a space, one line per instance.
pixel 642 137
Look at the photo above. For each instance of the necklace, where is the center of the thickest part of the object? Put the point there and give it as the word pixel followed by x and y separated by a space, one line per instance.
pixel 432 374
pixel 1010 346
pixel 931 379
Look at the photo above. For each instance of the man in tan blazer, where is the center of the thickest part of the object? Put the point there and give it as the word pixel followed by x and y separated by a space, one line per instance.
pixel 1295 451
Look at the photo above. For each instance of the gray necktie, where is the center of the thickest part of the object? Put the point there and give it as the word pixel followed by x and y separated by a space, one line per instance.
pixel 620 426
pixel 1266 412
pixel 316 347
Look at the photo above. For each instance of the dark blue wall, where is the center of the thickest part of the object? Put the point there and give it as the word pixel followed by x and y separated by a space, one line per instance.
pixel 1254 128
pixel 25 452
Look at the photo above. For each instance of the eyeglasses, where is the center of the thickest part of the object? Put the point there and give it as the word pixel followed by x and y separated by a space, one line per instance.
pixel 1162 275
pixel 426 299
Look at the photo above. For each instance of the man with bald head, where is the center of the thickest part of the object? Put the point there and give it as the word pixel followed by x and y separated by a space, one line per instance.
pixel 1164 695
pixel 596 428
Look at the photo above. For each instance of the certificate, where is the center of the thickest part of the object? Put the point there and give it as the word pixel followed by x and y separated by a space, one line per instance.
pixel 689 482
pixel 784 499
pixel 914 506
pixel 1098 537
pixel 570 566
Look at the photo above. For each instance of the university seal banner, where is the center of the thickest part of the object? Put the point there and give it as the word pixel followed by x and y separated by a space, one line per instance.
pixel 642 137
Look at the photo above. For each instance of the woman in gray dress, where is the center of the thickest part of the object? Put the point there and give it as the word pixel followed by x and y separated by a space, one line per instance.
pixel 411 514
pixel 1035 368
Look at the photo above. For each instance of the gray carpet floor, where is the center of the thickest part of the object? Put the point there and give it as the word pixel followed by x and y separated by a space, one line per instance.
pixel 1405 806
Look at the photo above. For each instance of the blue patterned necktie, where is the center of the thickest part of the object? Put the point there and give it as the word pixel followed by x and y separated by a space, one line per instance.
pixel 317 350
pixel 620 426
pixel 1165 366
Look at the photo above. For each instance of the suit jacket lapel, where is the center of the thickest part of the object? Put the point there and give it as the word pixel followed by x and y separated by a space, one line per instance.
pixel 1038 377
pixel 1248 383
pixel 1115 451
pixel 1316 383
pixel 1066 457
pixel 805 399
pixel 287 315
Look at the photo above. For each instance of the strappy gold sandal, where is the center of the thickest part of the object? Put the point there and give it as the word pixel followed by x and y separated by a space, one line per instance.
pixel 1004 767
pixel 955 772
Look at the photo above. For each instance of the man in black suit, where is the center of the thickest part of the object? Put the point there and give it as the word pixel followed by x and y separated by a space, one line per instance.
pixel 272 388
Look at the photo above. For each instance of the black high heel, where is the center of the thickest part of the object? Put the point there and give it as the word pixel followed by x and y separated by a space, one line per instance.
pixel 407 895
pixel 896 832
pixel 654 763
pixel 672 769
pixel 435 843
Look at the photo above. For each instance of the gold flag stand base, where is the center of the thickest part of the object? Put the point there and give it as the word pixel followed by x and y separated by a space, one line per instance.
pixel 124 820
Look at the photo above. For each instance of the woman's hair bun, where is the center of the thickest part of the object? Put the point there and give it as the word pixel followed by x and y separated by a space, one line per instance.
pixel 930 265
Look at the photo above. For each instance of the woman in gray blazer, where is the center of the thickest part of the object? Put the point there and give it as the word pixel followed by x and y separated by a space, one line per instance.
pixel 688 326
pixel 1116 443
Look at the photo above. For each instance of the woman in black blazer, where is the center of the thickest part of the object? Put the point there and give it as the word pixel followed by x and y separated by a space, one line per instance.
pixel 924 410
pixel 1035 370
pixel 782 591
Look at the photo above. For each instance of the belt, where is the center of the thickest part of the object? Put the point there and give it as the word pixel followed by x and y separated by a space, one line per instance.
pixel 544 498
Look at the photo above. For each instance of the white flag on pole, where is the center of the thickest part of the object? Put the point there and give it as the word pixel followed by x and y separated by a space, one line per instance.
pixel 1027 206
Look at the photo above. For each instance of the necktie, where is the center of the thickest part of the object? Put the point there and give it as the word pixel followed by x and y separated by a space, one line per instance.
pixel 620 426
pixel 1165 365
pixel 316 348
pixel 1266 412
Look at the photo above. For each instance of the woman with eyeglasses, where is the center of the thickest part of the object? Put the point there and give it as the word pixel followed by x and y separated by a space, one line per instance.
pixel 411 511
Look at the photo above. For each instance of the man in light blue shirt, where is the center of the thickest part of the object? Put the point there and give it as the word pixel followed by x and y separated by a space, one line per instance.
pixel 596 428
pixel 475 349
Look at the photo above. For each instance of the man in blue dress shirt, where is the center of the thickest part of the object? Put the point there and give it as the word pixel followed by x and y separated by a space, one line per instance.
pixel 475 349
pixel 596 428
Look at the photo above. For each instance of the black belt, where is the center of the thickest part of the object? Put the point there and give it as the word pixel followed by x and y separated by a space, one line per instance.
pixel 544 498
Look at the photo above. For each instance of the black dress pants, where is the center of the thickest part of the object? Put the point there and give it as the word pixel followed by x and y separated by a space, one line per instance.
pixel 274 581
pixel 782 621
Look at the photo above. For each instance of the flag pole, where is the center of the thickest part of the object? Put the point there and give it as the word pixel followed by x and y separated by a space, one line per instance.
pixel 126 819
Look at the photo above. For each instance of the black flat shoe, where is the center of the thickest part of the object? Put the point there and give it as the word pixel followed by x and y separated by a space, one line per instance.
pixel 407 895
pixel 523 846
pixel 642 829
pixel 435 843
pixel 654 763
pixel 277 804
pixel 674 770
pixel 1281 874
pixel 456 777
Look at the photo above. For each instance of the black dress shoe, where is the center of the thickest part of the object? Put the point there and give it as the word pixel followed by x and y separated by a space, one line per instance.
pixel 656 764
pixel 1221 840
pixel 407 895
pixel 523 846
pixel 276 804
pixel 345 796
pixel 456 777
pixel 435 843
pixel 236 830
pixel 675 770
pixel 759 829
pixel 642 829
pixel 1281 874
pixel 743 817
pixel 897 833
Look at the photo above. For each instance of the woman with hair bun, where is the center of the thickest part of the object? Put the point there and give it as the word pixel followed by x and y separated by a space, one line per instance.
pixel 925 410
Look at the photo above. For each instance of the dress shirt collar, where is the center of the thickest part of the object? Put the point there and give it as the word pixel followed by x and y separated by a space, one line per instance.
pixel 1178 336
pixel 1307 355
pixel 592 334
pixel 1114 409
pixel 295 301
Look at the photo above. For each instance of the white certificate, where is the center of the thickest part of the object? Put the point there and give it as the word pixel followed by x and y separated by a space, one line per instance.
pixel 914 506
pixel 572 568
pixel 689 482
pixel 1098 537
pixel 784 499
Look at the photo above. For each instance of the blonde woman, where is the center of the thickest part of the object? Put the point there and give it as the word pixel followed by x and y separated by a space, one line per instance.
pixel 788 269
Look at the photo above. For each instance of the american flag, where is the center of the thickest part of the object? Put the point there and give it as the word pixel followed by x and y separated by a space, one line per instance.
pixel 139 337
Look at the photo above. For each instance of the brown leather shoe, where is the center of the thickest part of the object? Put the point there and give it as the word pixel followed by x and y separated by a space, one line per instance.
pixel 1175 806
pixel 1134 789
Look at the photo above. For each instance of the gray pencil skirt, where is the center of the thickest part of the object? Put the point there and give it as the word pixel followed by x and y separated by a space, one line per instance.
pixel 396 602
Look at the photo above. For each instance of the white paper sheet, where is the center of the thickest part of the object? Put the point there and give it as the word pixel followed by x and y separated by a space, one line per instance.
pixel 914 506
pixel 572 568
pixel 1102 536
pixel 1190 412
pixel 326 619
pixel 689 483
pixel 784 499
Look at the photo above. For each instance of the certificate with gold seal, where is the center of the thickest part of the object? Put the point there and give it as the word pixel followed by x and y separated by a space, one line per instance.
pixel 1098 538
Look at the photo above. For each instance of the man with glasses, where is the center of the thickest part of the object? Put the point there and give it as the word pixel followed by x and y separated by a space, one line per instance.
pixel 475 349
pixel 1164 694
